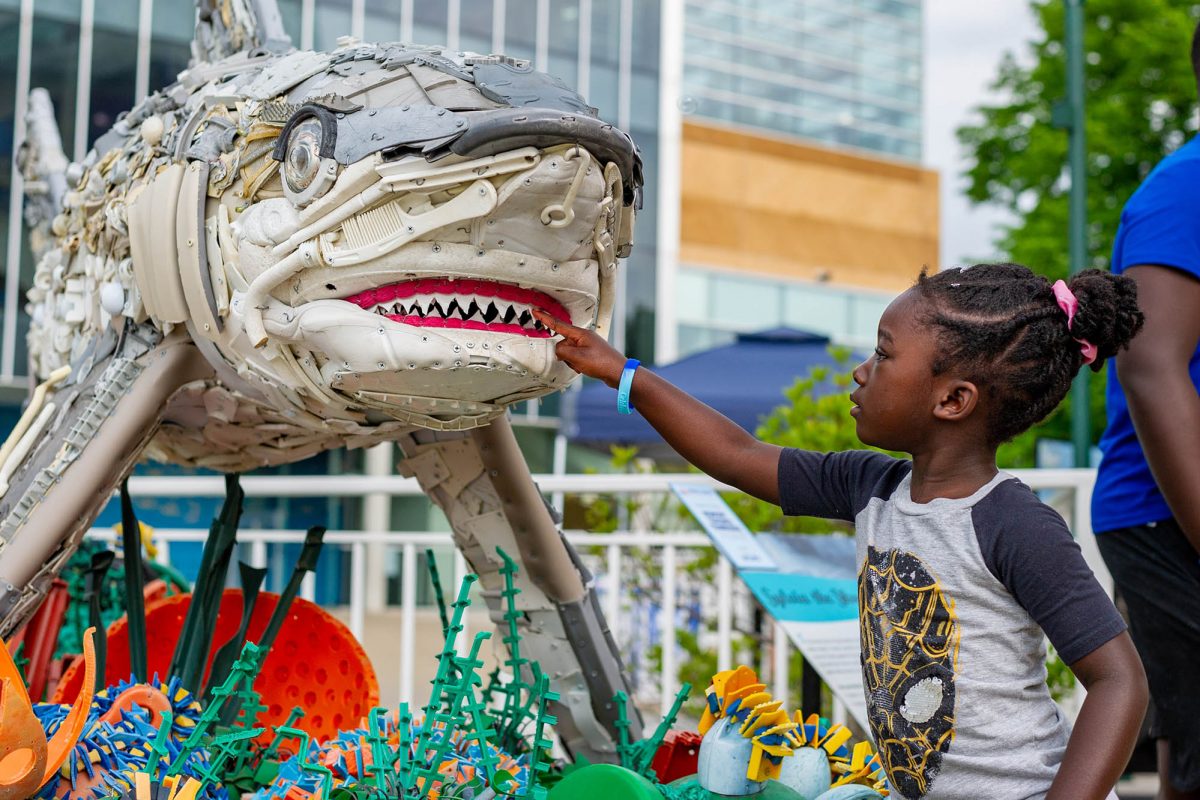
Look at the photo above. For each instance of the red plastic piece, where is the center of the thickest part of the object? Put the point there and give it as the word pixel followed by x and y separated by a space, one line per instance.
pixel 678 756
pixel 41 635
pixel 315 663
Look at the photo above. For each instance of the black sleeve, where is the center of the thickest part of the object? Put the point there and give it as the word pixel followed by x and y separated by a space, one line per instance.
pixel 1030 550
pixel 835 485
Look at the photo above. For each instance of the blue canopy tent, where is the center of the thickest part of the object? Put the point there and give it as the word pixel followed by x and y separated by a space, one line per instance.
pixel 744 380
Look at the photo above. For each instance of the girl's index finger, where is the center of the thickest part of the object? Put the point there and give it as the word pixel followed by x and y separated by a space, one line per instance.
pixel 564 329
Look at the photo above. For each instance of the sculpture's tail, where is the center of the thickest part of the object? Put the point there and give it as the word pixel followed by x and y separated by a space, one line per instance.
pixel 225 27
pixel 43 168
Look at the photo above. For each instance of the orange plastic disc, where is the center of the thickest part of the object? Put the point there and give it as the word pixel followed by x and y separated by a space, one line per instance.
pixel 315 663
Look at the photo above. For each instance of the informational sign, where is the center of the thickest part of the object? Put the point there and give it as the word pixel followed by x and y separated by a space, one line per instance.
pixel 725 528
pixel 808 586
pixel 820 617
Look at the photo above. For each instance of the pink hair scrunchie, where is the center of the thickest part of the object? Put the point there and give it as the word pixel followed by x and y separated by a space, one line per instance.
pixel 1069 303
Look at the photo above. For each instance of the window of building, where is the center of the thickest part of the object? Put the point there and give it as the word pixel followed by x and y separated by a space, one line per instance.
pixel 838 72
pixel 713 306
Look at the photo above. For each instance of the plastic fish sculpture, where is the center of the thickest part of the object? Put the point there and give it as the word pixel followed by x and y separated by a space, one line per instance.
pixel 285 252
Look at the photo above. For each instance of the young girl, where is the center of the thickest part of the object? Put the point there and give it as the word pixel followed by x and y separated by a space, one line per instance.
pixel 960 567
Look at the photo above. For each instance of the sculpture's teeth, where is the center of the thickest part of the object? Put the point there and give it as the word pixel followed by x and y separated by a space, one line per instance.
pixel 463 304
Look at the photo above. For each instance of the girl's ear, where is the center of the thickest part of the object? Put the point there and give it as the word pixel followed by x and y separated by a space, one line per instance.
pixel 957 402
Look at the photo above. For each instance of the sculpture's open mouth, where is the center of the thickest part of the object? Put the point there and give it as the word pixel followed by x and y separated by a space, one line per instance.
pixel 471 304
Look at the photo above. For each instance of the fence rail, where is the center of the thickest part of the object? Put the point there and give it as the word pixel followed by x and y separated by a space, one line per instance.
pixel 665 546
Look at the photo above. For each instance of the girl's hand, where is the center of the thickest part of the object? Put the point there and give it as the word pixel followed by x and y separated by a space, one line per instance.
pixel 585 351
pixel 714 443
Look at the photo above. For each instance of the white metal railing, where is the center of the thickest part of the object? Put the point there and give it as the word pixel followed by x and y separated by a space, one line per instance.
pixel 615 547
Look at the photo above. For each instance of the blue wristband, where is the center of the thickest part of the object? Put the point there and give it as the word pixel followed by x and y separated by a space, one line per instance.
pixel 626 385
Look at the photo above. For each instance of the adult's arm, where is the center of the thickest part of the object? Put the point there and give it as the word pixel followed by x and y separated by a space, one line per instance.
pixel 704 437
pixel 1163 401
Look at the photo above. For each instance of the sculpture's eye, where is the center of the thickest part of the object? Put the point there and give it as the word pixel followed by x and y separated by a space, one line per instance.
pixel 303 162
pixel 306 174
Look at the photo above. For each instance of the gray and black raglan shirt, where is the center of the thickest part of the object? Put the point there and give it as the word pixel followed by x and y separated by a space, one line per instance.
pixel 953 599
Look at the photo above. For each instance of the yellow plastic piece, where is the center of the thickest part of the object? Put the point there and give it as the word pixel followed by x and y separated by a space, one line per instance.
pixel 147 535
pixel 755 699
pixel 728 686
pixel 768 714
pixel 859 770
pixel 184 788
pixel 761 768
pixel 838 735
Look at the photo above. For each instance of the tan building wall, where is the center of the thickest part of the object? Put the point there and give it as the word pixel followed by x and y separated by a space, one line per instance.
pixel 774 206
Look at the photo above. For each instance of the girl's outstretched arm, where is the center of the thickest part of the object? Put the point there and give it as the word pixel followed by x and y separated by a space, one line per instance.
pixel 1108 723
pixel 709 440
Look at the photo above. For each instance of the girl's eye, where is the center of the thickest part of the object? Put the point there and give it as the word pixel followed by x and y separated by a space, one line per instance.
pixel 879 354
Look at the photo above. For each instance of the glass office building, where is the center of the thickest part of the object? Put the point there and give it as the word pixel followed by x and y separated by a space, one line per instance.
pixel 97 57
pixel 845 73
pixel 841 74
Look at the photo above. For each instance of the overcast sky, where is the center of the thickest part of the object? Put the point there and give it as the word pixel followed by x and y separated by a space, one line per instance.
pixel 964 42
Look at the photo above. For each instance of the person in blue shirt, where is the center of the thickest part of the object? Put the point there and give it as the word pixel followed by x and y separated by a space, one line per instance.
pixel 1146 504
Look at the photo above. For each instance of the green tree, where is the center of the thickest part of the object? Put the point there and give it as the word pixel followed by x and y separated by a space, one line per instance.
pixel 1141 106
pixel 814 416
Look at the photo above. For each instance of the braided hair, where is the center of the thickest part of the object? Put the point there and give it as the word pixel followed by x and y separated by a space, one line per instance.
pixel 1000 326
